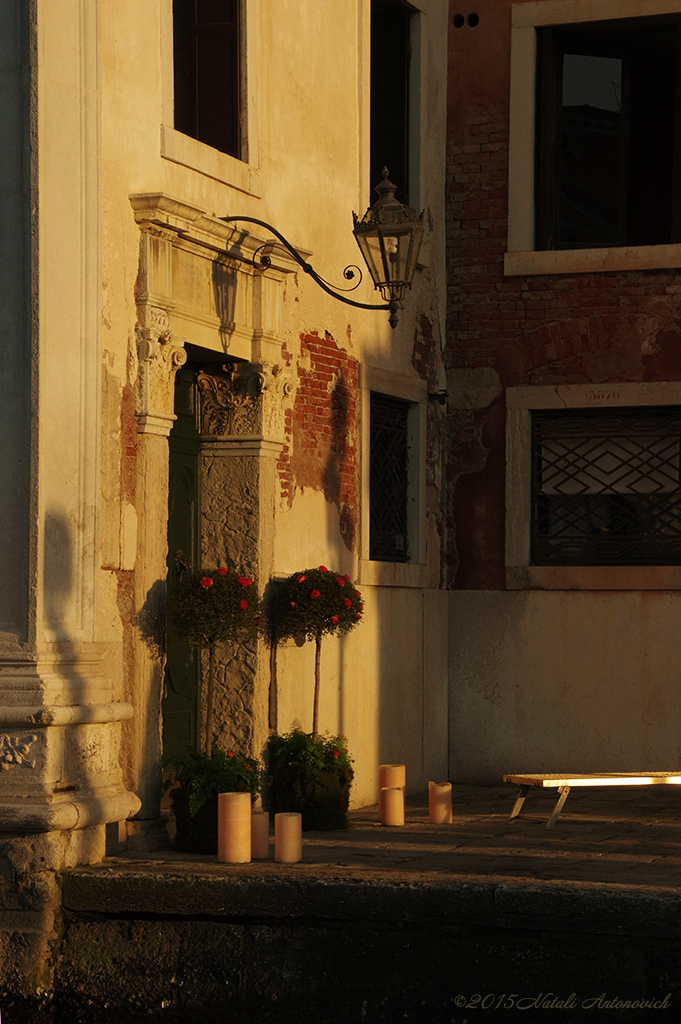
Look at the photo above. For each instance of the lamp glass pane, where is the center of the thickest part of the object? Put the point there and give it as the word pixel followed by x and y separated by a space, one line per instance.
pixel 371 250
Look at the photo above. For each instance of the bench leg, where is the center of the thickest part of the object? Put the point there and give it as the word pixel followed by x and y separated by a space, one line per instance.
pixel 564 790
pixel 520 799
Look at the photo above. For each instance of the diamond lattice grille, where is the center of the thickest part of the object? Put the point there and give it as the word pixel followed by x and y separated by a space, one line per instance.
pixel 605 488
pixel 388 540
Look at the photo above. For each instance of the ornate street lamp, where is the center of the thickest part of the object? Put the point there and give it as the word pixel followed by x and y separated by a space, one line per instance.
pixel 389 237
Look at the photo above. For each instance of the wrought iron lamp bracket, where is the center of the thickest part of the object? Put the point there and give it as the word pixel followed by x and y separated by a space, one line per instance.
pixel 264 261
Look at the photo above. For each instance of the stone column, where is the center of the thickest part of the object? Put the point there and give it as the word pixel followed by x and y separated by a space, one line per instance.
pixel 242 424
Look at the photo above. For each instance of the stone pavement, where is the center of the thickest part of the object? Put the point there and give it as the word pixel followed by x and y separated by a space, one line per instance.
pixel 629 836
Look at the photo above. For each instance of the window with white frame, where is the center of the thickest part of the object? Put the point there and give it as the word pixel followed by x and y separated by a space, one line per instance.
pixel 593 486
pixel 594 136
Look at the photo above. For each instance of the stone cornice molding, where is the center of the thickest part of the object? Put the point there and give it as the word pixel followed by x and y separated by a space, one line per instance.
pixel 248 401
pixel 193 224
pixel 161 353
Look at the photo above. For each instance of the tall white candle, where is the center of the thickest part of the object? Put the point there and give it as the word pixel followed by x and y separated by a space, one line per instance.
pixel 391 806
pixel 440 803
pixel 234 828
pixel 260 835
pixel 288 837
pixel 391 776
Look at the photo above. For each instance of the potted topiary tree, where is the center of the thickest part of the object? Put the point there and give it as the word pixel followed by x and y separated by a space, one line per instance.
pixel 207 609
pixel 309 605
pixel 312 774
pixel 210 608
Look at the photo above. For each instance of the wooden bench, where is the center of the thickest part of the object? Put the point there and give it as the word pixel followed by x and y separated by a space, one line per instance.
pixel 564 783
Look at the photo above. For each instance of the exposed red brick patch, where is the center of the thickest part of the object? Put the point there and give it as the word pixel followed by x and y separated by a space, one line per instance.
pixel 321 431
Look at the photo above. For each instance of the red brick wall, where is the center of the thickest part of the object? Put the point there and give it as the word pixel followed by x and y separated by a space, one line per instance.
pixel 322 431
pixel 581 328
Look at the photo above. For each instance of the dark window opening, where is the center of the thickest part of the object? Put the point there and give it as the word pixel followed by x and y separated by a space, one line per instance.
pixel 390 95
pixel 606 488
pixel 388 495
pixel 608 110
pixel 207 72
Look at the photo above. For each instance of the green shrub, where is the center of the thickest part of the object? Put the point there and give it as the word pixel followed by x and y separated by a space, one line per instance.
pixel 312 775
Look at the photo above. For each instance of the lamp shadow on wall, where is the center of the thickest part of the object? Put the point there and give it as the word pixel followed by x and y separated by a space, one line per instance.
pixel 224 282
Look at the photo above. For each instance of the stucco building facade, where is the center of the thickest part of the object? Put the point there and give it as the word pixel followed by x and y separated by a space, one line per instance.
pixel 162 383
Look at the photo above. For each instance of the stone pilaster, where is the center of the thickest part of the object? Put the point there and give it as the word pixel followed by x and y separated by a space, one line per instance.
pixel 160 355
pixel 242 422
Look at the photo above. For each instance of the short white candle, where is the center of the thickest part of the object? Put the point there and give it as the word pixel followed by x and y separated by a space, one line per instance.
pixel 391 776
pixel 391 805
pixel 234 828
pixel 288 837
pixel 260 835
pixel 440 803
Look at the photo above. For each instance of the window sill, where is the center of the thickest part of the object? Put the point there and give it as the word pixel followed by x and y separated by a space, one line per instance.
pixel 182 149
pixel 591 261
pixel 391 574
pixel 593 577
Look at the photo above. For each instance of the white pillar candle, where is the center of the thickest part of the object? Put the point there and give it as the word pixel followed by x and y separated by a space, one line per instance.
pixel 260 835
pixel 288 837
pixel 234 828
pixel 391 805
pixel 391 776
pixel 440 803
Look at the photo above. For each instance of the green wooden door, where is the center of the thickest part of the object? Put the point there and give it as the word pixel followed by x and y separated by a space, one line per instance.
pixel 181 687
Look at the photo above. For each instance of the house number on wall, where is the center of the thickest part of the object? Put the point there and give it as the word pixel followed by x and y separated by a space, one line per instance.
pixel 603 396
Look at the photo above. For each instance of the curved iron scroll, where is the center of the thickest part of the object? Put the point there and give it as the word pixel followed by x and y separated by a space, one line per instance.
pixel 348 273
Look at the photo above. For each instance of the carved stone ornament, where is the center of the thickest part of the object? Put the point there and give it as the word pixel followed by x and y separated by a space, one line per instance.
pixel 247 400
pixel 160 355
pixel 14 751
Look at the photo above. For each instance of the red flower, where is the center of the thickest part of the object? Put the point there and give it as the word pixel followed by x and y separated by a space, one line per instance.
pixel 258 620
pixel 335 620
pixel 244 581
pixel 361 607
pixel 358 616
pixel 292 603
pixel 230 754
pixel 301 579
pixel 340 581
pixel 358 593
pixel 314 593
pixel 347 602
pixel 222 571
pixel 336 753
pixel 243 605
pixel 346 578
pixel 322 568
pixel 206 582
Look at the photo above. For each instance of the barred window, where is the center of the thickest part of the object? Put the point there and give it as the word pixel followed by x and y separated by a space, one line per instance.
pixel 388 495
pixel 606 487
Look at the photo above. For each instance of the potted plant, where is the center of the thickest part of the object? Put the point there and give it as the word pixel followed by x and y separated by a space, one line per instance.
pixel 311 774
pixel 209 608
pixel 196 779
